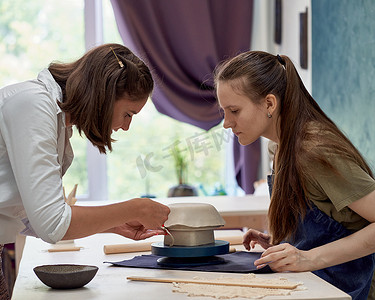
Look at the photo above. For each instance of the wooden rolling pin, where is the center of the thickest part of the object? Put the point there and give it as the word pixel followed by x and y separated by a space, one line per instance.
pixel 146 246
pixel 289 286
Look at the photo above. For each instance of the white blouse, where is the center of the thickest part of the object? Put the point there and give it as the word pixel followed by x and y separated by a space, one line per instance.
pixel 35 152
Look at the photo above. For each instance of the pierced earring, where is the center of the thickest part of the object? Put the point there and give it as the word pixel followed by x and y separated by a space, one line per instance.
pixel 269 115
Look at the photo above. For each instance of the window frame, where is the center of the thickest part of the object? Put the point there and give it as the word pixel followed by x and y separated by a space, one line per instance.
pixel 96 162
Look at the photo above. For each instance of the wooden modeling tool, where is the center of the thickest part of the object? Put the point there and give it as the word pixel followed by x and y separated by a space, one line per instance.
pixel 62 249
pixel 289 286
pixel 71 199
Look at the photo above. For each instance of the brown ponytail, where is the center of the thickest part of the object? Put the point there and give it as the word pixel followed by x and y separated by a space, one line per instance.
pixel 304 130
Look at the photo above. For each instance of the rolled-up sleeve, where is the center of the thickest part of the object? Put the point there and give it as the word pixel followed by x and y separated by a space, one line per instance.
pixel 30 130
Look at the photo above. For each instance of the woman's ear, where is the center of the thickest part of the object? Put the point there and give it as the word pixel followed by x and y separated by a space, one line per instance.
pixel 271 103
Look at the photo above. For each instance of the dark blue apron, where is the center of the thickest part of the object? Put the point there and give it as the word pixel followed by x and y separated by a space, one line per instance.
pixel 317 229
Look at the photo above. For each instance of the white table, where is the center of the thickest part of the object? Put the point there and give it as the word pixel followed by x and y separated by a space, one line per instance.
pixel 237 211
pixel 111 283
pixel 227 205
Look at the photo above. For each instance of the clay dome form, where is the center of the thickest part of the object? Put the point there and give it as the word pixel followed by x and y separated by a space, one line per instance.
pixel 192 224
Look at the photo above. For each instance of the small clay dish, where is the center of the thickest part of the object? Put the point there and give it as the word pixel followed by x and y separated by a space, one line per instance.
pixel 65 276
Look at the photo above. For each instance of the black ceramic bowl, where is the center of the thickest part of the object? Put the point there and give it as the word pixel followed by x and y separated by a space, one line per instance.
pixel 65 276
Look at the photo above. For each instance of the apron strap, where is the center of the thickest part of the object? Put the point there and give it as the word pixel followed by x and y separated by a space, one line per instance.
pixel 3 285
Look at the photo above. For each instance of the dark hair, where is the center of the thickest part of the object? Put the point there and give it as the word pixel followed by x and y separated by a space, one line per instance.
pixel 93 83
pixel 304 132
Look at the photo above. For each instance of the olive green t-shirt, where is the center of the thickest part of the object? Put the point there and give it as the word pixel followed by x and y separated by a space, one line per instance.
pixel 332 193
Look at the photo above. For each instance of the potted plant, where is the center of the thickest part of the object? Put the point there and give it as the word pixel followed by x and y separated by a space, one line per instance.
pixel 181 168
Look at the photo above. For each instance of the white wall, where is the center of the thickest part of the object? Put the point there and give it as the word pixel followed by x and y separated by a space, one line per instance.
pixel 290 35
pixel 263 39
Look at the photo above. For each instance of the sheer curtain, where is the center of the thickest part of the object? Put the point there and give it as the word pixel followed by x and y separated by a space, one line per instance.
pixel 182 42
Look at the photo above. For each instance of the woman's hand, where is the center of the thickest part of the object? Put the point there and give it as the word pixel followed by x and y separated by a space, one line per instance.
pixel 253 237
pixel 137 218
pixel 149 213
pixel 285 257
pixel 135 231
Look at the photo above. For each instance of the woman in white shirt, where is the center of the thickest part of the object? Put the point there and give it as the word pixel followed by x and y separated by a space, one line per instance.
pixel 98 93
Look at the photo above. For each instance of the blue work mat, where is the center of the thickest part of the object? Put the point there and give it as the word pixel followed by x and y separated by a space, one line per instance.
pixel 237 262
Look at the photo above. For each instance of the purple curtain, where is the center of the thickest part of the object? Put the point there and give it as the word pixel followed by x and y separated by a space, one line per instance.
pixel 246 162
pixel 182 41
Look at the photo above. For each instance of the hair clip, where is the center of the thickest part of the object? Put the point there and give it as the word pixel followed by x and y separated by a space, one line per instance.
pixel 281 60
pixel 119 61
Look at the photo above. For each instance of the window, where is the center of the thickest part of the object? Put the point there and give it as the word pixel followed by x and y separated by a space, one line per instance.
pixel 37 32
pixel 141 162
pixel 34 33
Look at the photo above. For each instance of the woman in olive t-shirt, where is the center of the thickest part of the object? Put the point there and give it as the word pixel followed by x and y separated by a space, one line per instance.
pixel 322 205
